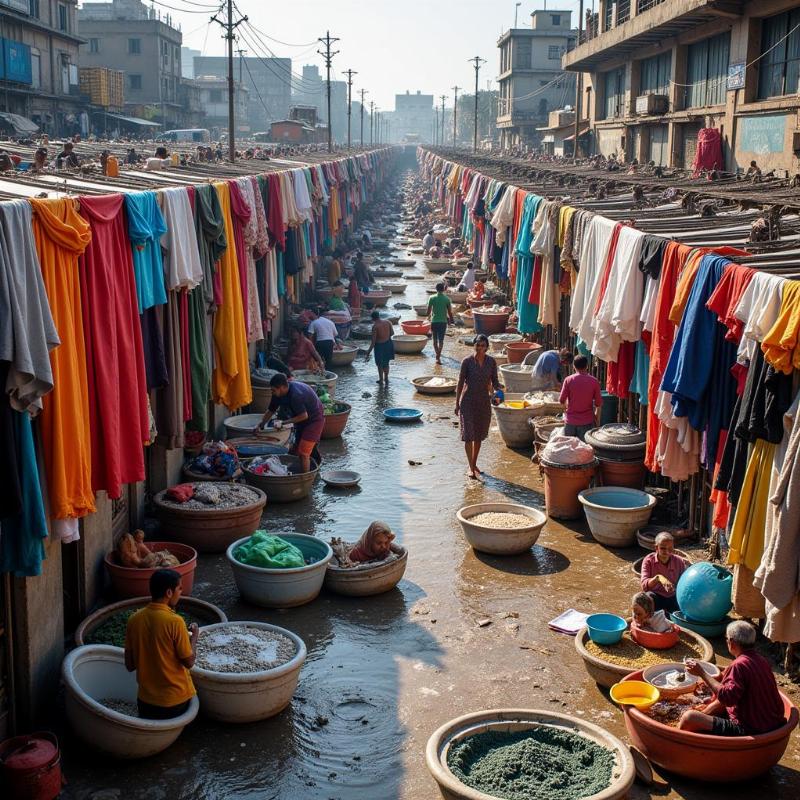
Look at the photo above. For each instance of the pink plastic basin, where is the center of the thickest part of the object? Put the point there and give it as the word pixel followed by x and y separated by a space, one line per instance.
pixel 135 581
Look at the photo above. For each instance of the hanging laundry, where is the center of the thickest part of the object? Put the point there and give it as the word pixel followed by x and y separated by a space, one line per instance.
pixel 117 387
pixel 27 330
pixel 61 236
pixel 781 345
pixel 146 226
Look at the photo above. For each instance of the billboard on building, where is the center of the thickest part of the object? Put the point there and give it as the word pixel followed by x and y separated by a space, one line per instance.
pixel 16 62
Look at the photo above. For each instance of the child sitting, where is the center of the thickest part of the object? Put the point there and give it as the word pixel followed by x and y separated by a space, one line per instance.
pixel 375 543
pixel 645 615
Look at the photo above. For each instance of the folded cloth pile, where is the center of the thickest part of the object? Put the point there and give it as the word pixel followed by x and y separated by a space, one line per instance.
pixel 268 465
pixel 181 493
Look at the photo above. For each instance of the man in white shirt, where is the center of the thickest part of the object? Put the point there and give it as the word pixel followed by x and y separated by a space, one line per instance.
pixel 323 334
pixel 468 279
pixel 428 241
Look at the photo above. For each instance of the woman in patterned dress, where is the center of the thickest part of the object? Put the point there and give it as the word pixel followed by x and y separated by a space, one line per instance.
pixel 476 383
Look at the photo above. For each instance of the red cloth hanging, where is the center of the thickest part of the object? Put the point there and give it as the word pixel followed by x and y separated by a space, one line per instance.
pixel 619 373
pixel 709 150
pixel 116 380
pixel 240 216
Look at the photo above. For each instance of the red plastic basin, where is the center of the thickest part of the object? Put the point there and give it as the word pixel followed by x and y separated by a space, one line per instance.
pixel 715 759
pixel 135 581
pixel 656 641
pixel 419 328
pixel 516 351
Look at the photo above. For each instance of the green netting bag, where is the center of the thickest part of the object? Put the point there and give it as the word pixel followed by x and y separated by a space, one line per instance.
pixel 271 552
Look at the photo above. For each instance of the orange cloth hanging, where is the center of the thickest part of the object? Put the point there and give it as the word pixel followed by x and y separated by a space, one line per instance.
pixel 61 235
pixel 231 380
pixel 781 345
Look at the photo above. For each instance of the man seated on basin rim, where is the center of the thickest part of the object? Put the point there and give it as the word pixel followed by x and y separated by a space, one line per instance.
pixel 746 698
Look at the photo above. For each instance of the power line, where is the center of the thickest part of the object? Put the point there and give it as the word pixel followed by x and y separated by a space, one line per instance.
pixel 278 41
pixel 200 9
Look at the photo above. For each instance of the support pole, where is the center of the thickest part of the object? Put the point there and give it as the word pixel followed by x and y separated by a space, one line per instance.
pixel 349 74
pixel 328 40
pixel 476 62
pixel 361 137
pixel 578 92
pixel 455 113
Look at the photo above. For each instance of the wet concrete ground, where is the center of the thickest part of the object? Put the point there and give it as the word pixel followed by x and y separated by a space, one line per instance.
pixel 384 672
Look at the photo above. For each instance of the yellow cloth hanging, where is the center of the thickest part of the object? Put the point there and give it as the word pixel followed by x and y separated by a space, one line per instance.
pixel 747 534
pixel 780 345
pixel 231 380
pixel 565 214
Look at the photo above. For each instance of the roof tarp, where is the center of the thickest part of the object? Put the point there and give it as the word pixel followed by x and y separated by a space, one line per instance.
pixel 145 123
pixel 19 123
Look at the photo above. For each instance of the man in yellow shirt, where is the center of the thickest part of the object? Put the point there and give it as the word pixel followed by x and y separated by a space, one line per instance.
pixel 160 649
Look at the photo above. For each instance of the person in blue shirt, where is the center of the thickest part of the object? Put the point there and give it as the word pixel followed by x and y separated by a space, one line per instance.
pixel 548 370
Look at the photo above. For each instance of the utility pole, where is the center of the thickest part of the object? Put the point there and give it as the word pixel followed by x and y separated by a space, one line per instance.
pixel 516 11
pixel 442 97
pixel 371 121
pixel 241 53
pixel 476 62
pixel 349 74
pixel 230 26
pixel 435 125
pixel 455 112
pixel 361 137
pixel 328 56
pixel 578 92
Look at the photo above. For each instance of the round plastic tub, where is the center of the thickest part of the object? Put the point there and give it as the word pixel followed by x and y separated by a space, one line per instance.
pixel 283 588
pixel 490 321
pixel 516 377
pixel 97 672
pixel 512 420
pixel 499 341
pixel 501 541
pixel 335 423
pixel 563 484
pixel 327 379
pixel 615 513
pixel 344 357
pixel 135 581
pixel 516 351
pixel 367 579
pixel 410 343
pixel 653 640
pixel 284 488
pixel 605 628
pixel 239 697
pixel 703 757
pixel 416 328
pixel 244 424
pixel 206 613
pixel 209 530
pixel 638 694
pixel 421 385
pixel 509 720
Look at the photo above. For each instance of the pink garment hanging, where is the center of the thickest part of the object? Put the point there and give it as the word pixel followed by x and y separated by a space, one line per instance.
pixel 709 150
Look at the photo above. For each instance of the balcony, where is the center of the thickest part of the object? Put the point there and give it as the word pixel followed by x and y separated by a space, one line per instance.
pixel 623 27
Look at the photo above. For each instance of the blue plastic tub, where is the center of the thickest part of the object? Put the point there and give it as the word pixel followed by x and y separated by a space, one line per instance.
pixel 606 628
pixel 710 630
pixel 250 450
pixel 402 414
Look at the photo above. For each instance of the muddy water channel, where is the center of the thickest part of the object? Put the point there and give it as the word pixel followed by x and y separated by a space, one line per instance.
pixel 384 672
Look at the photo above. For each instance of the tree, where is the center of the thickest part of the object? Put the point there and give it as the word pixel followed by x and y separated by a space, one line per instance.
pixel 487 116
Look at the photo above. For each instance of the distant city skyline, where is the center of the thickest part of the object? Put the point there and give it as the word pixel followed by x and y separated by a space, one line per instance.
pixel 394 47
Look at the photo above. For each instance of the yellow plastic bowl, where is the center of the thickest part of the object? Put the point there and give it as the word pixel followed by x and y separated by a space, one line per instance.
pixel 635 693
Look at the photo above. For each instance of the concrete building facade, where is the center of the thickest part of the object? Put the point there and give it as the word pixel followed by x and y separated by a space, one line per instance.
pixel 212 99
pixel 128 35
pixel 413 114
pixel 39 47
pixel 188 56
pixel 656 73
pixel 267 81
pixel 531 80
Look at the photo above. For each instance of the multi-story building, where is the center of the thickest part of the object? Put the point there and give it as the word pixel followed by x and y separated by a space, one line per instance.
pixel 188 56
pixel 212 97
pixel 268 81
pixel 532 83
pixel 130 36
pixel 656 73
pixel 311 90
pixel 39 55
pixel 413 114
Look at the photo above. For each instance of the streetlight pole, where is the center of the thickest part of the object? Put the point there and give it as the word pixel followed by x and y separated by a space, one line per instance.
pixel 361 137
pixel 349 74
pixel 476 62
pixel 455 112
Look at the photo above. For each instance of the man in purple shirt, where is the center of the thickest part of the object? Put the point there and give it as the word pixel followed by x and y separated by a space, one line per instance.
pixel 746 698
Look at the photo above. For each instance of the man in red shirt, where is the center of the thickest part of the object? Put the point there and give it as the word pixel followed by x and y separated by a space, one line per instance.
pixel 746 699
pixel 582 396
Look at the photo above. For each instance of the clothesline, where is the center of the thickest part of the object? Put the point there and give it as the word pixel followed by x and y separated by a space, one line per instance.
pixel 123 315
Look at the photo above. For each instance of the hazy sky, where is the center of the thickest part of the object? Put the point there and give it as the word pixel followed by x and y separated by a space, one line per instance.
pixel 394 45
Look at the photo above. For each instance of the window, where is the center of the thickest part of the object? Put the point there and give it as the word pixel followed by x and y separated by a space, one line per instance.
pixel 779 70
pixel 135 83
pixel 707 71
pixel 215 96
pixel 654 74
pixel 94 45
pixel 522 54
pixel 543 109
pixel 63 17
pixel 554 52
pixel 36 70
pixel 134 46
pixel 556 18
pixel 614 85
pixel 33 8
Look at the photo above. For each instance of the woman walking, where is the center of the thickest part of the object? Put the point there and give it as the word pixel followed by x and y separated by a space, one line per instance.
pixel 476 383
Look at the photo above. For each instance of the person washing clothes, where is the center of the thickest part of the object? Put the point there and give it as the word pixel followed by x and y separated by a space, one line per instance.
pixel 660 572
pixel 468 279
pixel 161 651
pixel 428 241
pixel 582 396
pixel 323 334
pixel 307 415
pixel 440 312
pixel 547 372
